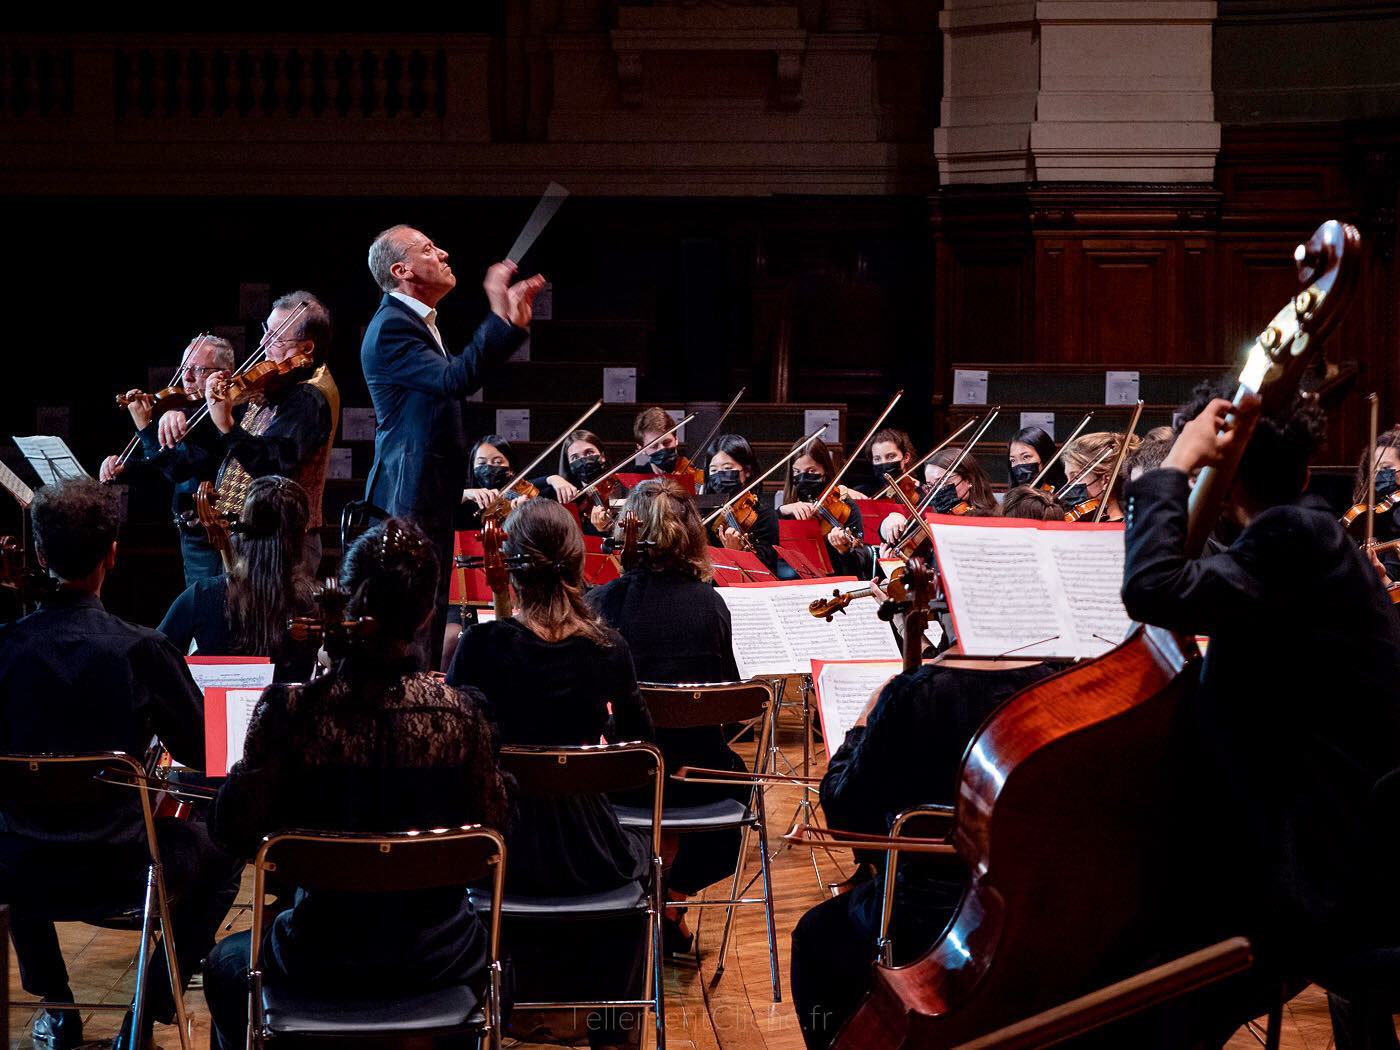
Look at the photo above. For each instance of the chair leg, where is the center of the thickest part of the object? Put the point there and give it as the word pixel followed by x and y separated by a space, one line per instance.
pixel 762 832
pixel 729 911
pixel 495 1012
pixel 1275 1031
pixel 167 937
pixel 143 951
pixel 658 977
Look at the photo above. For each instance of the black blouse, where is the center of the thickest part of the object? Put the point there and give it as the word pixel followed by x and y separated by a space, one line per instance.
pixel 200 614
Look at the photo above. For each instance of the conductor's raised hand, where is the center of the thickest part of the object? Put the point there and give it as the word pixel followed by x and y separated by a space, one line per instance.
pixel 1206 440
pixel 511 302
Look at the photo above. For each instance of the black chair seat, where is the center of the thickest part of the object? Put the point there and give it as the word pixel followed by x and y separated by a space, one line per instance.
pixel 629 898
pixel 712 816
pixel 292 1013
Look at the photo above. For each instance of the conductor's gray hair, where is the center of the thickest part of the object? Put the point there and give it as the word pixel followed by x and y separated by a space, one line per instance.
pixel 387 249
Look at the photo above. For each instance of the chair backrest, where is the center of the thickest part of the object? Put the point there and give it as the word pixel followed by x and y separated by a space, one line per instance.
pixel 706 704
pixel 605 769
pixel 368 862
pixel 71 791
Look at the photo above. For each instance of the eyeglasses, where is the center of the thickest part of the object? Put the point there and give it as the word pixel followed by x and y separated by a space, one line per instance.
pixel 199 370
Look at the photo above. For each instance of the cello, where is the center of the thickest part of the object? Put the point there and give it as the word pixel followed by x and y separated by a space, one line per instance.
pixel 1063 789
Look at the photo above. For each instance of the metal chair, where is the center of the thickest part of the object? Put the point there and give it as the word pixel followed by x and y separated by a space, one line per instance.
pixel 63 791
pixel 925 822
pixel 552 772
pixel 715 704
pixel 402 862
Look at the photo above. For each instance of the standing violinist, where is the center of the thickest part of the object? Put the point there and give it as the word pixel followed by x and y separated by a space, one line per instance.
pixel 891 454
pixel 1097 454
pixel 204 357
pixel 420 444
pixel 1027 455
pixel 1288 750
pixel 582 462
pixel 809 476
pixel 732 466
pixel 289 428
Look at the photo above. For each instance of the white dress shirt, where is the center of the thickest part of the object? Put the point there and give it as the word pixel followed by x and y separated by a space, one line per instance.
pixel 426 312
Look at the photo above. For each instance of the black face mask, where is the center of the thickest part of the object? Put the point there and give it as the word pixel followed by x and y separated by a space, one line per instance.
pixel 808 485
pixel 724 482
pixel 887 471
pixel 491 477
pixel 587 470
pixel 664 459
pixel 1024 473
pixel 1075 495
pixel 1386 482
pixel 945 499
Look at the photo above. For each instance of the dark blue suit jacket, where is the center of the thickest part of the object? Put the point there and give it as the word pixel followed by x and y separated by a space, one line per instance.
pixel 420 445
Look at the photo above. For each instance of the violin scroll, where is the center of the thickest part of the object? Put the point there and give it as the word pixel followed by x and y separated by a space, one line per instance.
pixel 330 627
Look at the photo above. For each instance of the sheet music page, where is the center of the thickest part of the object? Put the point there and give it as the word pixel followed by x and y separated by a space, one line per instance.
pixel 775 634
pixel 999 591
pixel 51 457
pixel 12 484
pixel 237 714
pixel 215 673
pixel 759 643
pixel 1087 565
pixel 843 690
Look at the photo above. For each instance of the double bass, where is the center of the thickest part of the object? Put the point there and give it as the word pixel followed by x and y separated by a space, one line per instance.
pixel 1064 789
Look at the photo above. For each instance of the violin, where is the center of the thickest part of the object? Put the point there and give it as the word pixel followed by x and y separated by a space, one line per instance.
pixel 832 509
pixel 162 401
pixel 628 549
pixel 827 608
pixel 687 473
pixel 499 508
pixel 257 381
pixel 741 515
pixel 1358 511
pixel 330 628
pixel 1081 511
pixel 1064 789
pixel 29 584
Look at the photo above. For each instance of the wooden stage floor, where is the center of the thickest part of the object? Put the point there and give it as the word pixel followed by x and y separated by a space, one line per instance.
pixel 736 1014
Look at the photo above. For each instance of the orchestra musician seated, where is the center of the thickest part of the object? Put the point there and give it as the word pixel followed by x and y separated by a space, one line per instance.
pixel 806 482
pixel 891 454
pixel 732 466
pixel 245 612
pixel 554 674
pixel 493 473
pixel 1285 749
pixel 1094 456
pixel 1026 455
pixel 581 462
pixel 662 450
pixel 964 491
pixel 75 678
pixel 1033 503
pixel 678 630
pixel 904 750
pixel 373 745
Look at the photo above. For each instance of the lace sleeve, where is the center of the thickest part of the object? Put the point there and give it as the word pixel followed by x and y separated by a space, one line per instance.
pixel 269 728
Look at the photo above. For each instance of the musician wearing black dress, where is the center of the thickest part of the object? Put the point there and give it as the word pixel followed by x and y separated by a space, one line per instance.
pixel 374 745
pixel 75 678
pixel 554 674
pixel 732 466
pixel 678 630
pixel 1294 733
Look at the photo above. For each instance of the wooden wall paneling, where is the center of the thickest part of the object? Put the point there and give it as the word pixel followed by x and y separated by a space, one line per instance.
pixel 1126 301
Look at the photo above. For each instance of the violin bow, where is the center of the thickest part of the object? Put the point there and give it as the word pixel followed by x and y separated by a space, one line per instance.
pixel 1375 405
pixel 927 501
pixel 764 476
pixel 1061 450
pixel 1118 464
pixel 135 442
pixel 714 431
pixel 613 470
pixel 941 446
pixel 524 475
pixel 855 453
pixel 267 340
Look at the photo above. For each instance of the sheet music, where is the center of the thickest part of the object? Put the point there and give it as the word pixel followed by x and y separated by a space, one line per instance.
pixel 12 484
pixel 843 689
pixel 1088 566
pixel 1033 590
pixel 238 712
pixel 212 672
pixel 50 457
pixel 775 634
